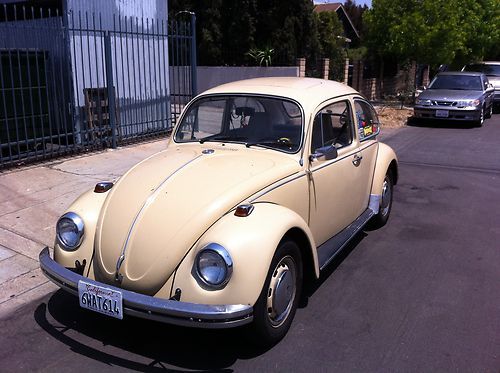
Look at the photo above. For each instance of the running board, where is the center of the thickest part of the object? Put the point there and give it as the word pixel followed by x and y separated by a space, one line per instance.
pixel 330 249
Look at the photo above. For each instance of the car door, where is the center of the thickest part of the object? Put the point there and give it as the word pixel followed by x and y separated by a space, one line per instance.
pixel 368 126
pixel 487 92
pixel 338 186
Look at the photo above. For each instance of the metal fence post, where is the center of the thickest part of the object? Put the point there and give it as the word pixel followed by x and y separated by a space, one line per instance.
pixel 110 87
pixel 194 82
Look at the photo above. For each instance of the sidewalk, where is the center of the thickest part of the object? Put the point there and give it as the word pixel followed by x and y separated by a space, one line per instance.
pixel 32 199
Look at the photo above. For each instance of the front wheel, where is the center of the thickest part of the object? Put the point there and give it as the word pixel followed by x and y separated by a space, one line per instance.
pixel 385 207
pixel 278 301
pixel 489 113
pixel 480 121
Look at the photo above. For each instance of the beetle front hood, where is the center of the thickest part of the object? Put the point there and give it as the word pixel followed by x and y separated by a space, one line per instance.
pixel 157 211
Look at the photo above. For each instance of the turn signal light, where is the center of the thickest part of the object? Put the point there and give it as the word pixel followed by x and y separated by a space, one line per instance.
pixel 243 210
pixel 103 187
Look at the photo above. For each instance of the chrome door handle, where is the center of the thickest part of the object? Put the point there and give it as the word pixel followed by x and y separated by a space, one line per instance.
pixel 357 160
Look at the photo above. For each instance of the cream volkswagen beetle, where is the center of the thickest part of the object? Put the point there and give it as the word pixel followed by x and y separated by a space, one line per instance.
pixel 263 182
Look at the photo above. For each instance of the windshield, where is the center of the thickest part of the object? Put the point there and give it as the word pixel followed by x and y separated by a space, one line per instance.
pixel 492 70
pixel 458 82
pixel 251 120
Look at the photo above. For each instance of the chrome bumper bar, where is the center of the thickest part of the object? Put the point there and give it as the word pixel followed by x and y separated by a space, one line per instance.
pixel 147 307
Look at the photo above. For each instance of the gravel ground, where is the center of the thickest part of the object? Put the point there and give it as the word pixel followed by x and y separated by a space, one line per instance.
pixel 393 117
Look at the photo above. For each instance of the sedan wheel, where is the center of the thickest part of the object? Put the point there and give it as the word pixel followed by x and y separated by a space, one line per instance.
pixel 278 301
pixel 480 122
pixel 489 113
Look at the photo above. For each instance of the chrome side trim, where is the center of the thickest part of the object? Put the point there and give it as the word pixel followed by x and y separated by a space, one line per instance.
pixel 329 250
pixel 147 307
pixel 374 203
pixel 148 201
pixel 276 185
pixel 351 153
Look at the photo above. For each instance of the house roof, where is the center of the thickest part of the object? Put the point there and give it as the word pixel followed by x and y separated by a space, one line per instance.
pixel 342 14
pixel 329 7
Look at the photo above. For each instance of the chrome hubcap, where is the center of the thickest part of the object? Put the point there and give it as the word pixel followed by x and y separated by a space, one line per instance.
pixel 386 197
pixel 282 291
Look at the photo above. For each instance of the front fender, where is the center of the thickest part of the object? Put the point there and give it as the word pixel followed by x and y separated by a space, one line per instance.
pixel 251 241
pixel 88 207
pixel 386 159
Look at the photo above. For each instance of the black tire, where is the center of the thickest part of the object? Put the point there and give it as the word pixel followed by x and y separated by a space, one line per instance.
pixel 489 112
pixel 273 316
pixel 385 208
pixel 479 123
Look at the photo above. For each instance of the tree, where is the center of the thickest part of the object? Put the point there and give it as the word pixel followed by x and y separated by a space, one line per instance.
pixel 289 27
pixel 355 13
pixel 330 32
pixel 433 31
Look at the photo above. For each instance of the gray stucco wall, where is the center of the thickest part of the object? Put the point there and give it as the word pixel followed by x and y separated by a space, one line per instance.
pixel 212 76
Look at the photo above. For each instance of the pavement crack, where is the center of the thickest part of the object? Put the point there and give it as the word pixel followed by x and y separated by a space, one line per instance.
pixel 20 235
pixel 26 291
pixel 53 167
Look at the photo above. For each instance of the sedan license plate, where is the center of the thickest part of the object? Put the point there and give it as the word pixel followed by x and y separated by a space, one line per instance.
pixel 442 113
pixel 100 299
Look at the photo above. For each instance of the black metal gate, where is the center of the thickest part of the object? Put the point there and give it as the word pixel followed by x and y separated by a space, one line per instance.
pixel 77 82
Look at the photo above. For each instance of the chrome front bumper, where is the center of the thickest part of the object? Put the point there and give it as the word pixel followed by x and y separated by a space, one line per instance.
pixel 453 113
pixel 147 307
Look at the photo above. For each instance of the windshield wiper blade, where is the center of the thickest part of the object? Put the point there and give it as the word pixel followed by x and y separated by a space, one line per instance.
pixel 220 138
pixel 270 143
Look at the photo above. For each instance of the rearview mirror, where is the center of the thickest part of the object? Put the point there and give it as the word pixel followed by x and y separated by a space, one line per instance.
pixel 325 153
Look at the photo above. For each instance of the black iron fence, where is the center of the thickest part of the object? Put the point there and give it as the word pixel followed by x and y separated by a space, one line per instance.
pixel 77 82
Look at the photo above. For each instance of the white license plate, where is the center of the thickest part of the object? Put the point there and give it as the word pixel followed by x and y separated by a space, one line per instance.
pixel 100 299
pixel 442 113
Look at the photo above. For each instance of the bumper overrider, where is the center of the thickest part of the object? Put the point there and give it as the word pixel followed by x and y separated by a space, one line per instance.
pixel 148 307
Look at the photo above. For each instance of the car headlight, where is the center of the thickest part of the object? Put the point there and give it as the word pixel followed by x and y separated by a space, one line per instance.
pixel 214 266
pixel 468 103
pixel 423 102
pixel 69 230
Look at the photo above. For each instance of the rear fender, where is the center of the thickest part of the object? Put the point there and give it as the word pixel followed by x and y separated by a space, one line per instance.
pixel 386 160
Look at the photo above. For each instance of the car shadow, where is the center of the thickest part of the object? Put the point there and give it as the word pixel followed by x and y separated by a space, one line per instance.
pixel 164 345
pixel 440 123
pixel 312 286
pixel 88 333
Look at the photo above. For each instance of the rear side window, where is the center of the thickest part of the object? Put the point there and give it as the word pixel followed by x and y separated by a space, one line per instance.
pixel 366 120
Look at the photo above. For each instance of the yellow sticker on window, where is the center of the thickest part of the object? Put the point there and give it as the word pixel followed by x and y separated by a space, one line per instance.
pixel 367 131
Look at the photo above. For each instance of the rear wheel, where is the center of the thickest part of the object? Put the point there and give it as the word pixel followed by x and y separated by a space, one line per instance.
pixel 385 207
pixel 278 301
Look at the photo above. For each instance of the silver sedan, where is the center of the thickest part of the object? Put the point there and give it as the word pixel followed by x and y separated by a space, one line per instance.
pixel 460 96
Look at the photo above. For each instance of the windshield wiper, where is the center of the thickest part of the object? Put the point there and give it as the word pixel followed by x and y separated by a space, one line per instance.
pixel 220 138
pixel 284 144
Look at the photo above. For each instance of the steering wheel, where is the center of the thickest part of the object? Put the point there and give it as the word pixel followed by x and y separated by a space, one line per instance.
pixel 285 141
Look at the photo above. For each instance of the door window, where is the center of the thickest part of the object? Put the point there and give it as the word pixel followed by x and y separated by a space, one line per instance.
pixel 332 126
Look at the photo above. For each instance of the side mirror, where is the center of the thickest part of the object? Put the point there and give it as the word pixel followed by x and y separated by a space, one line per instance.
pixel 490 88
pixel 325 153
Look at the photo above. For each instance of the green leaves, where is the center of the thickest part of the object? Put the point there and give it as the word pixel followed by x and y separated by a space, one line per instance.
pixel 261 56
pixel 433 31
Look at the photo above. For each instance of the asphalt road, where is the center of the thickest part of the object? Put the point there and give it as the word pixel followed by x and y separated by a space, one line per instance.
pixel 422 294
